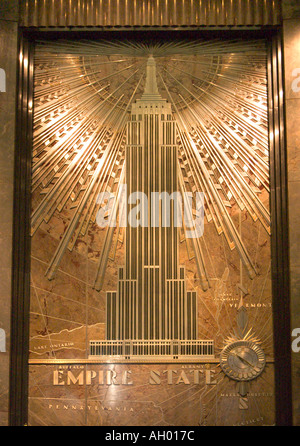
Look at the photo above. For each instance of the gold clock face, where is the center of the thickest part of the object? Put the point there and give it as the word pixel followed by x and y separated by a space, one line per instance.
pixel 242 360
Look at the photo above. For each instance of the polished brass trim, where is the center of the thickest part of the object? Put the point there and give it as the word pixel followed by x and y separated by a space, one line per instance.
pixel 18 412
pixel 149 13
pixel 280 234
pixel 141 360
pixel 18 392
pixel 114 360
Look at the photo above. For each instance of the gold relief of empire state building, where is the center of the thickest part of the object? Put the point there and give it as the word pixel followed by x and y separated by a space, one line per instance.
pixel 151 313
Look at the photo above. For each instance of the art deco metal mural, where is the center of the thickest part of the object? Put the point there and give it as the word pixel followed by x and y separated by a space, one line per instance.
pixel 116 124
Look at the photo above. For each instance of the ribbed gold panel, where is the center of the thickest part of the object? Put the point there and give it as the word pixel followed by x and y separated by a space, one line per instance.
pixel 161 13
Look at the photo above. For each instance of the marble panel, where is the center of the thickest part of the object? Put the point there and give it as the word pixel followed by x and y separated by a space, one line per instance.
pixel 8 60
pixel 67 313
pixel 290 9
pixel 4 386
pixel 3 418
pixel 96 331
pixel 291 39
pixel 8 52
pixel 293 155
pixel 5 284
pixel 291 32
pixel 145 395
pixel 295 323
pixel 43 245
pixel 51 305
pixel 9 10
pixel 293 132
pixel 96 302
pixel 64 284
pixel 51 411
pixel 66 343
pixel 295 293
pixel 294 218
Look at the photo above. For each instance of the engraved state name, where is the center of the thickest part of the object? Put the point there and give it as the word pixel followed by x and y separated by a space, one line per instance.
pixel 53 345
pixel 96 407
pixel 252 305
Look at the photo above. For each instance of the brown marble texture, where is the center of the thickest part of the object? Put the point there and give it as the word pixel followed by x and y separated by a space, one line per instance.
pixel 295 311
pixel 134 398
pixel 67 312
pixel 8 59
pixel 293 138
pixel 69 302
pixel 291 36
pixel 290 9
pixel 294 234
pixel 291 40
pixel 71 285
pixel 9 10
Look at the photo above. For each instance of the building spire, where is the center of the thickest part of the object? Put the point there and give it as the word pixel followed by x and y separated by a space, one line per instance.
pixel 151 92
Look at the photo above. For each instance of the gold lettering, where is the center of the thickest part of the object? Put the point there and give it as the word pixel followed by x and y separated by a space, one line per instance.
pixel 208 377
pixel 111 376
pixel 169 375
pixel 56 376
pixel 71 378
pixel 101 377
pixel 125 377
pixel 183 379
pixel 197 375
pixel 90 374
pixel 154 377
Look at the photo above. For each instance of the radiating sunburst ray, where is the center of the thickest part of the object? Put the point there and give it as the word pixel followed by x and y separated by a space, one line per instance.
pixel 83 94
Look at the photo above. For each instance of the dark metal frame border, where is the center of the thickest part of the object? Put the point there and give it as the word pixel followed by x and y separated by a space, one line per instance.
pixel 18 400
pixel 18 396
pixel 280 237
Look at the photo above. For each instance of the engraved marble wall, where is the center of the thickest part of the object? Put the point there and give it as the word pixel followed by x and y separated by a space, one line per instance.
pixel 146 395
pixel 66 313
pixel 291 30
pixel 8 57
pixel 8 61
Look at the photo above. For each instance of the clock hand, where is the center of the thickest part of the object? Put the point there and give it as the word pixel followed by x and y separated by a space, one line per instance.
pixel 243 359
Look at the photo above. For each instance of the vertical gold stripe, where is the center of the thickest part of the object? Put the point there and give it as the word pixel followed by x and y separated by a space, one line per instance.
pixel 149 12
pixel 258 11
